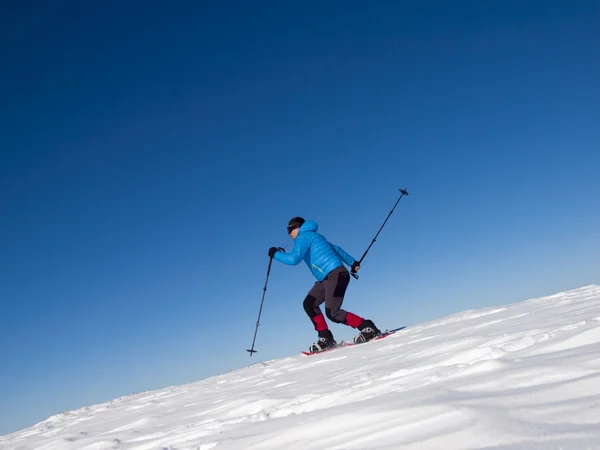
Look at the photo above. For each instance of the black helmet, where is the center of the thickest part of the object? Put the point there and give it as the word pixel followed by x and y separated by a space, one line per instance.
pixel 294 223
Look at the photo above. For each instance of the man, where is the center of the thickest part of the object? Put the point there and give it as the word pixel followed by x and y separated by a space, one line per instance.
pixel 326 262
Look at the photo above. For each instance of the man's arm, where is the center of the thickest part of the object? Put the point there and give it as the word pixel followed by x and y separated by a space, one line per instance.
pixel 295 256
pixel 349 260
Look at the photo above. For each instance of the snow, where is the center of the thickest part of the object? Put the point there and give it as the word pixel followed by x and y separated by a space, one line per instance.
pixel 521 376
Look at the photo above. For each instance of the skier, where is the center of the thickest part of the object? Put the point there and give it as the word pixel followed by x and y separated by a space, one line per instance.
pixel 326 262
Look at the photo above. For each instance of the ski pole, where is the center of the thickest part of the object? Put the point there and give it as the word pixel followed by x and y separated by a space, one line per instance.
pixel 403 193
pixel 261 306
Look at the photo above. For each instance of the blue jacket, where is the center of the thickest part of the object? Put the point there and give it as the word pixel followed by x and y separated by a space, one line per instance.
pixel 320 256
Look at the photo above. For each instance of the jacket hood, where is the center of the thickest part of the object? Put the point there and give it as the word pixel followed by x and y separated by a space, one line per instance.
pixel 309 225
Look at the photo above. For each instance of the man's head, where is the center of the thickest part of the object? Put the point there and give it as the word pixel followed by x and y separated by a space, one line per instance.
pixel 294 226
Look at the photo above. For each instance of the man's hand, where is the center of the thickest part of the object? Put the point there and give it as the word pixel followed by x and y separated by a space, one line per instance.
pixel 272 251
pixel 355 267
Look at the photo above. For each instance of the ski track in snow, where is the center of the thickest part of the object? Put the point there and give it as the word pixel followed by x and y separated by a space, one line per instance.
pixel 523 376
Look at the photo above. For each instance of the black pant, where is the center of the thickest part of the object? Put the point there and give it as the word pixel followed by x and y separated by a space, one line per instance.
pixel 330 291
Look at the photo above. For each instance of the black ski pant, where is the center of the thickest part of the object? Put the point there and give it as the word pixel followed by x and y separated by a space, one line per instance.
pixel 330 291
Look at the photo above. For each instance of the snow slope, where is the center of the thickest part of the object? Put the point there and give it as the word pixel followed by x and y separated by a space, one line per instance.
pixel 522 376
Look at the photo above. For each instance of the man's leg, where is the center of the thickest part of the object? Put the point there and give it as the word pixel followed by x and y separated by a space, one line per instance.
pixel 313 300
pixel 315 297
pixel 335 289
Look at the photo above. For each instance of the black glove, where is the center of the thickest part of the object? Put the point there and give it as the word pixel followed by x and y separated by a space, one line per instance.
pixel 272 251
pixel 354 266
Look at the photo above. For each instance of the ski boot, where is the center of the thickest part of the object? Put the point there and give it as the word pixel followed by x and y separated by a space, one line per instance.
pixel 324 342
pixel 368 331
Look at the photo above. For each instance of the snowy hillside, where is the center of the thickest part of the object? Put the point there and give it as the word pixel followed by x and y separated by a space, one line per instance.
pixel 522 376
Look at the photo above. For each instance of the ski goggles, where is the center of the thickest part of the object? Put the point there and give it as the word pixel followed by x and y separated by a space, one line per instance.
pixel 290 229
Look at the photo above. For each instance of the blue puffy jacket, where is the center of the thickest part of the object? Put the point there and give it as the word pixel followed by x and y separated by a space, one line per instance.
pixel 320 256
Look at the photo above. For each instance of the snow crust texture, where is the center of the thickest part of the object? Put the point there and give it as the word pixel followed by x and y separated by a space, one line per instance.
pixel 521 376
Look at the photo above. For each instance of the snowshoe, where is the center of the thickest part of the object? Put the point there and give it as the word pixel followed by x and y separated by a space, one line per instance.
pixel 368 331
pixel 325 342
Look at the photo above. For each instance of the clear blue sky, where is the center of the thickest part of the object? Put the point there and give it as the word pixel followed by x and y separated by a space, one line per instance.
pixel 151 153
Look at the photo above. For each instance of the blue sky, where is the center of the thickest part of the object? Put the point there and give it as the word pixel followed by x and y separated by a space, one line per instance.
pixel 152 153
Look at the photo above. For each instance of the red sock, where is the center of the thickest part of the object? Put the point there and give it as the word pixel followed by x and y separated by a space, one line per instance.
pixel 320 324
pixel 353 320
